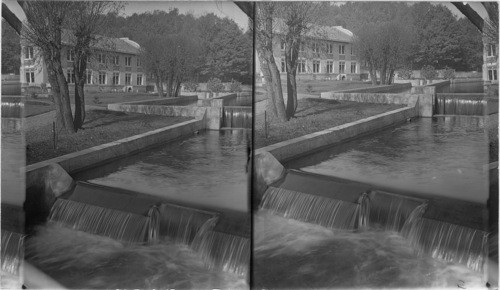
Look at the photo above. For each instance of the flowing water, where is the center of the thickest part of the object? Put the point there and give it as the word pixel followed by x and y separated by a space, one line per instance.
pixel 236 117
pixel 293 254
pixel 80 260
pixel 435 156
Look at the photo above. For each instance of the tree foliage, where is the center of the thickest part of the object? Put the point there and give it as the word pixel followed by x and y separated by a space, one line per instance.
pixel 440 39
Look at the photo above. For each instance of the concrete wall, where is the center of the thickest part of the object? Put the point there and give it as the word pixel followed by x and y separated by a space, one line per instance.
pixel 12 125
pixel 210 116
pixel 293 148
pixel 220 101
pixel 165 101
pixel 90 157
pixel 379 89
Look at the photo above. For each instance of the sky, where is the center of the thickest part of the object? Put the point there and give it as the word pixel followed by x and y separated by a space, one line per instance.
pixel 198 8
pixel 220 8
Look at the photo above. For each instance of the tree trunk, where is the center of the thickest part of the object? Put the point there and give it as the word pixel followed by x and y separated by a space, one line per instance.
pixel 64 117
pixel 373 75
pixel 383 75
pixel 159 86
pixel 271 106
pixel 276 84
pixel 79 68
pixel 291 85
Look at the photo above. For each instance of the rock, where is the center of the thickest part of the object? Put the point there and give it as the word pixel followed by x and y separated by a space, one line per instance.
pixel 267 171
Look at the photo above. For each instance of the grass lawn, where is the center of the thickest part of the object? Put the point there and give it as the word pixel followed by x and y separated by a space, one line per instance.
pixel 319 86
pixel 102 99
pixel 315 115
pixel 100 127
pixel 36 108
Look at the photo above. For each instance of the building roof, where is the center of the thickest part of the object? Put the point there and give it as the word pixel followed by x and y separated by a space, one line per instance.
pixel 333 33
pixel 123 45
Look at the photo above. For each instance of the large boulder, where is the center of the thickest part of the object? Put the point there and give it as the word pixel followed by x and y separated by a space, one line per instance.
pixel 49 183
pixel 267 170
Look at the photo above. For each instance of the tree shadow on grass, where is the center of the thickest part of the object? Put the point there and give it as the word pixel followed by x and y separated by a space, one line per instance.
pixel 98 118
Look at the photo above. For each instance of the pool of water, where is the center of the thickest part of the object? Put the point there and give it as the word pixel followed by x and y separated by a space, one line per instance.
pixel 434 156
pixel 207 170
pixel 462 87
pixel 292 254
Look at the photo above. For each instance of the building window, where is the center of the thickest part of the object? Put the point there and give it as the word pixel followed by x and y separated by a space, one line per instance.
pixel 352 50
pixel 283 65
pixel 315 66
pixel 102 78
pixel 116 60
pixel 70 76
pixel 70 55
pixel 116 78
pixel 282 45
pixel 341 67
pixel 301 47
pixel 329 66
pixel 301 66
pixel 101 58
pixel 127 79
pixel 353 67
pixel 329 48
pixel 492 50
pixel 29 53
pixel 139 79
pixel 315 47
pixel 492 75
pixel 139 61
pixel 128 60
pixel 341 49
pixel 89 77
pixel 30 76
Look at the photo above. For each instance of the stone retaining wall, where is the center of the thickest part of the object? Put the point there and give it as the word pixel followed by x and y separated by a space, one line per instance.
pixel 90 157
pixel 378 89
pixel 296 147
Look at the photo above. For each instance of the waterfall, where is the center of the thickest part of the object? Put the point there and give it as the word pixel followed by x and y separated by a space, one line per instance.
pixel 327 212
pixel 460 104
pixel 12 108
pixel 12 251
pixel 236 117
pixel 446 241
pixel 219 250
pixel 116 224
pixel 391 210
pixel 183 223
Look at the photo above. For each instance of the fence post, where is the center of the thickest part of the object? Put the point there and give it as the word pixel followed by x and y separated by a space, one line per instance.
pixel 265 123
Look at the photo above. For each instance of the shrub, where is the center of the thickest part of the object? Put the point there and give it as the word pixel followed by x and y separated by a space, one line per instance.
pixel 96 100
pixel 309 88
pixel 234 86
pixel 405 73
pixel 428 72
pixel 215 85
pixel 191 86
pixel 448 73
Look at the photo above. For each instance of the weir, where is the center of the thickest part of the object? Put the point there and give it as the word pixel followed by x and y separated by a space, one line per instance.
pixel 460 104
pixel 236 117
pixel 449 242
pixel 334 204
pixel 228 252
pixel 12 251
pixel 327 212
pixel 181 224
pixel 391 211
pixel 120 225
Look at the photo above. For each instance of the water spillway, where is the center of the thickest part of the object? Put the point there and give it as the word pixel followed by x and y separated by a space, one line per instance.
pixel 236 117
pixel 327 212
pixel 12 251
pixel 460 104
